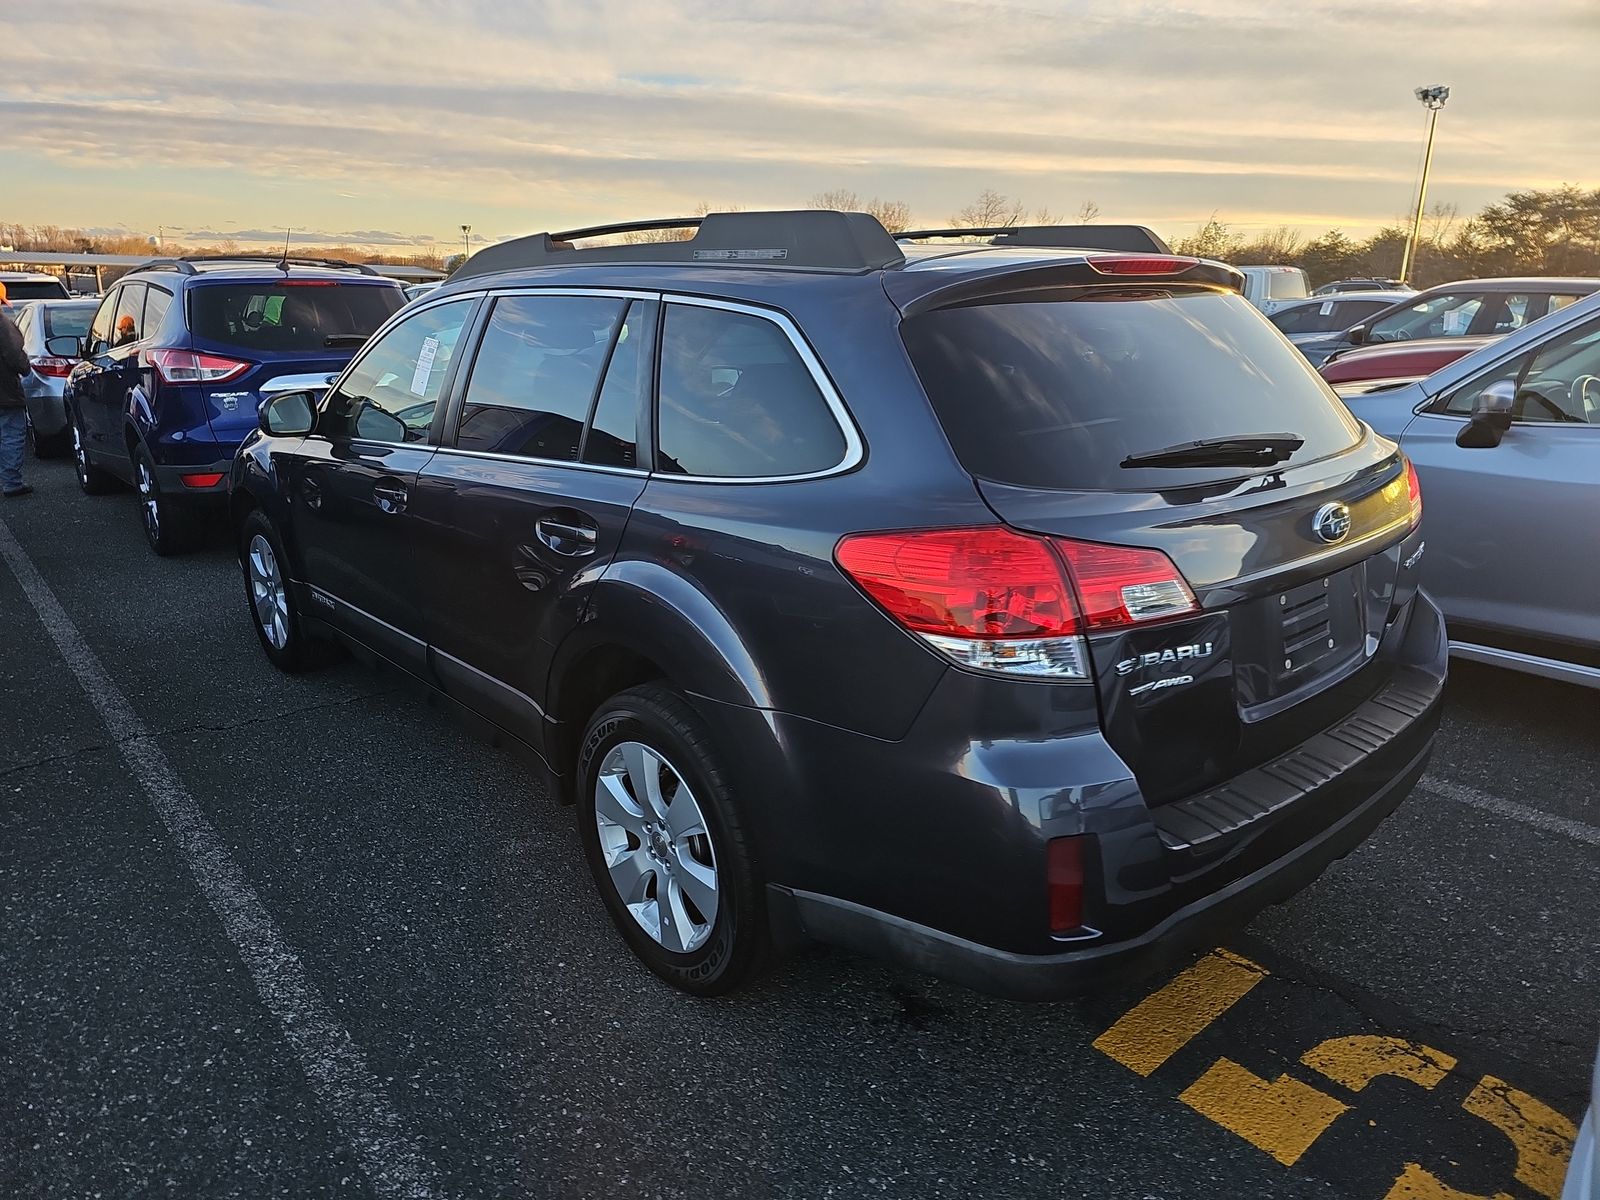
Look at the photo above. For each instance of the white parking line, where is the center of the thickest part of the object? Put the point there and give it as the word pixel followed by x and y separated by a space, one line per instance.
pixel 391 1158
pixel 1538 818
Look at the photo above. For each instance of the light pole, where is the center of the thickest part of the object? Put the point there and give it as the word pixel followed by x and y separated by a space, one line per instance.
pixel 1433 99
pixel 466 242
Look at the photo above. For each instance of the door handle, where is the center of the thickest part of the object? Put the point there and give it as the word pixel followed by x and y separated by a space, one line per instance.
pixel 565 537
pixel 389 496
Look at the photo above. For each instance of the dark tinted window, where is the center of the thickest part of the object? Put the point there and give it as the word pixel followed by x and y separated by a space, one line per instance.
pixel 67 320
pixel 1057 392
pixel 156 303
pixel 391 392
pixel 613 433
pixel 36 289
pixel 297 316
pixel 536 373
pixel 1323 317
pixel 737 401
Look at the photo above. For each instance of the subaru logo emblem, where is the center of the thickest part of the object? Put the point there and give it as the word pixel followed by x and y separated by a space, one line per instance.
pixel 1332 522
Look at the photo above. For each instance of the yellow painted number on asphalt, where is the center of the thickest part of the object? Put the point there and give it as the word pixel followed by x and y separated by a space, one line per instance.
pixel 1285 1116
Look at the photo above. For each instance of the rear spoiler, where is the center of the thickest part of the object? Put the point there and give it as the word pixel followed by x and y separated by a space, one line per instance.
pixel 1133 238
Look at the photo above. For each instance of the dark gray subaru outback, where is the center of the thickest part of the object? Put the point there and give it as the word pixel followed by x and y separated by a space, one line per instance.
pixel 1018 612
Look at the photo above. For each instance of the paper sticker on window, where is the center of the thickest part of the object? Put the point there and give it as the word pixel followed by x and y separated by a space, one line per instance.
pixel 1326 308
pixel 419 377
pixel 1456 322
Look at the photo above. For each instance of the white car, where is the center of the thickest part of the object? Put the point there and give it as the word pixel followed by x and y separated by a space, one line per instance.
pixel 1269 288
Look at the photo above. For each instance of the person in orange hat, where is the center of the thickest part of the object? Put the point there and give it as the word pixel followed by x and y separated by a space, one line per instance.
pixel 127 331
pixel 14 365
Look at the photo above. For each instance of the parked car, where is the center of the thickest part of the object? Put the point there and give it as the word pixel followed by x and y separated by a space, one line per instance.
pixel 43 322
pixel 418 290
pixel 1583 1173
pixel 1269 288
pixel 1019 614
pixel 1315 317
pixel 179 354
pixel 1473 308
pixel 1507 440
pixel 1340 287
pixel 33 285
pixel 1399 360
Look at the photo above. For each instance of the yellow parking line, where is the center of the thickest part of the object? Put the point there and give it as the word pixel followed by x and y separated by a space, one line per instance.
pixel 1416 1183
pixel 1166 1020
pixel 1542 1136
pixel 1282 1117
pixel 1356 1061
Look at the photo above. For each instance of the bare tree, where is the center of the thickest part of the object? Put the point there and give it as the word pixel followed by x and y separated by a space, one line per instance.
pixel 991 210
pixel 1088 212
pixel 893 215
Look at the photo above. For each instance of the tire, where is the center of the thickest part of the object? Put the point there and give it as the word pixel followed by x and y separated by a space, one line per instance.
pixel 51 445
pixel 650 733
pixel 169 527
pixel 271 604
pixel 91 479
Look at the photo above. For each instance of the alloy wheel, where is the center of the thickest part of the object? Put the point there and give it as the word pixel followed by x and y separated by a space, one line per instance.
pixel 656 846
pixel 150 501
pixel 267 592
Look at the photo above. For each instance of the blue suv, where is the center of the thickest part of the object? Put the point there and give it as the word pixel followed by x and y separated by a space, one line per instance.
pixel 1017 612
pixel 180 353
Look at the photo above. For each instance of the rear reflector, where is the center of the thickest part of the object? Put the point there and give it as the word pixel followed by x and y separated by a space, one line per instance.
pixel 187 366
pixel 205 479
pixel 1064 881
pixel 52 367
pixel 1164 264
pixel 997 600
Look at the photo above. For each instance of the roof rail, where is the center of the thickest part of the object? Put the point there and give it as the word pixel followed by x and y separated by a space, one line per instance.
pixel 185 264
pixel 801 240
pixel 1134 238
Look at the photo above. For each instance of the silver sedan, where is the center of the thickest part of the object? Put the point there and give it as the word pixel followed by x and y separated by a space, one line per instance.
pixel 46 324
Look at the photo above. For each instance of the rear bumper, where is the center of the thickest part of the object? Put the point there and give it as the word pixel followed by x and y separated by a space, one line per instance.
pixel 931 853
pixel 46 408
pixel 171 478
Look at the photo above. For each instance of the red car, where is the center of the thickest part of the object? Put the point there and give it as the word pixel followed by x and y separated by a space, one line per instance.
pixel 1399 360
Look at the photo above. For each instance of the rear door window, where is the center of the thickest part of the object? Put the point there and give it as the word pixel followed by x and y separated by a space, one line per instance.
pixel 297 315
pixel 536 375
pixel 1055 390
pixel 736 400
pixel 156 303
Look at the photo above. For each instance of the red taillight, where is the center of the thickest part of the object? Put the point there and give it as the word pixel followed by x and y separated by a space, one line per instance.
pixel 987 582
pixel 189 366
pixel 1064 881
pixel 999 600
pixel 1122 585
pixel 203 479
pixel 54 368
pixel 1127 264
pixel 1414 494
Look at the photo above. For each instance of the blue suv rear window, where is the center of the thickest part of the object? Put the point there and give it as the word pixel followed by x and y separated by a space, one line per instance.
pixel 300 315
pixel 1050 392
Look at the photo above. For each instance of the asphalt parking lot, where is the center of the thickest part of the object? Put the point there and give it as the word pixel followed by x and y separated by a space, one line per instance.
pixel 306 937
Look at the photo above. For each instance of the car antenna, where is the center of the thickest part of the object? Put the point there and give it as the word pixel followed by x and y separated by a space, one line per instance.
pixel 284 265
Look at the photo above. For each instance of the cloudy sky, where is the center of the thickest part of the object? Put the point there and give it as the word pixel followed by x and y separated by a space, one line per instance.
pixel 382 121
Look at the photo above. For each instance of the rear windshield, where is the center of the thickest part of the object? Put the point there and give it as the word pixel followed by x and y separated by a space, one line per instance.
pixel 68 320
pixel 1055 391
pixel 1286 285
pixel 297 316
pixel 36 289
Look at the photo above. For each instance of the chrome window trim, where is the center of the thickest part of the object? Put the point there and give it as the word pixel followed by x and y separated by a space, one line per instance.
pixel 854 447
pixel 524 459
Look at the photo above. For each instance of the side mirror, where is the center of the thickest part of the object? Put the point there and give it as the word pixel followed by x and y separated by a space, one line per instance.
pixel 1356 335
pixel 288 414
pixel 64 345
pixel 1491 416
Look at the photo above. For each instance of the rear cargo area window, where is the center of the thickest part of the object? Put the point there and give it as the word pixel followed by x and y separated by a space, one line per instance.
pixel 1054 390
pixel 269 316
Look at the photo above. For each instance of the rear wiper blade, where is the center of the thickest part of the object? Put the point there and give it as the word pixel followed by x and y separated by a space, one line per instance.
pixel 344 339
pixel 1246 450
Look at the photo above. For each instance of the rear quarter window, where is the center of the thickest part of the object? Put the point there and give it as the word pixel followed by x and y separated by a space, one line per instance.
pixel 1055 390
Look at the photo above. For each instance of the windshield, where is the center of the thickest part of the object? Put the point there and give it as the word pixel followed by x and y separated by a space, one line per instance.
pixel 297 316
pixel 1055 392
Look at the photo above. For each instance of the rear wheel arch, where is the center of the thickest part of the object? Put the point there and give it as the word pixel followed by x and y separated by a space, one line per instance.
pixel 585 681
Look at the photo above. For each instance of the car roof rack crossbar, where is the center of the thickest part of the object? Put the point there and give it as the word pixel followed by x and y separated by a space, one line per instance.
pixel 185 264
pixel 800 240
pixel 1134 238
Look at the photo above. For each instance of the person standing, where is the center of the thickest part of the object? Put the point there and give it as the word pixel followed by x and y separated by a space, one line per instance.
pixel 14 365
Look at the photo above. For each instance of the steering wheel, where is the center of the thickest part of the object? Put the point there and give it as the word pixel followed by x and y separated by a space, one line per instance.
pixel 1585 394
pixel 1401 335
